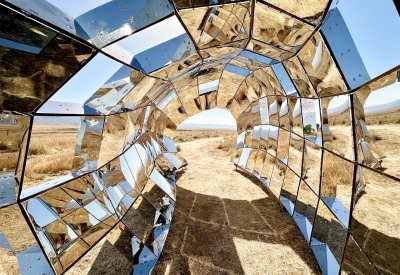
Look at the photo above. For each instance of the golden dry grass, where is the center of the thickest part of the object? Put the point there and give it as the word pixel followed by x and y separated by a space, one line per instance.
pixel 51 150
pixel 50 154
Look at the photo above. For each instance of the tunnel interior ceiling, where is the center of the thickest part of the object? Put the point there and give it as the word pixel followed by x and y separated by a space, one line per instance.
pixel 90 99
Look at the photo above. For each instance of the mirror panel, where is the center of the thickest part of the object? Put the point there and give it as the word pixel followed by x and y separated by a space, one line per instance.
pixel 321 69
pixel 336 125
pixel 337 185
pixel 289 190
pixel 311 120
pixel 51 152
pixel 328 240
pixel 355 260
pixel 377 118
pixel 370 215
pixel 312 165
pixel 285 33
pixel 296 152
pixel 278 174
pixel 305 210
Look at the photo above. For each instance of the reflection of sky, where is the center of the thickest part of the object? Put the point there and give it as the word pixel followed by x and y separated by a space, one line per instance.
pixel 166 100
pixel 214 116
pixel 310 109
pixel 77 7
pixel 88 80
pixel 101 68
pixel 208 86
pixel 384 95
pixel 337 101
pixel 374 26
pixel 152 36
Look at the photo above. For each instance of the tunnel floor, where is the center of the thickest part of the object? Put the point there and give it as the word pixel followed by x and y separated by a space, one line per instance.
pixel 224 223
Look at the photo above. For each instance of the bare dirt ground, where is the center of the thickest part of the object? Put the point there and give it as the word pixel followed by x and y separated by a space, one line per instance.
pixel 224 223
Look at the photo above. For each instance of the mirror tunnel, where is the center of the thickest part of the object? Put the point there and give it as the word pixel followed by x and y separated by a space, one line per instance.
pixel 91 93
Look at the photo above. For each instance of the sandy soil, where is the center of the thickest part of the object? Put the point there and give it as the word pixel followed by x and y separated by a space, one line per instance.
pixel 224 223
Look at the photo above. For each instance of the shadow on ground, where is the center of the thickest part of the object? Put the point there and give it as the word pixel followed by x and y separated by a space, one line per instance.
pixel 207 232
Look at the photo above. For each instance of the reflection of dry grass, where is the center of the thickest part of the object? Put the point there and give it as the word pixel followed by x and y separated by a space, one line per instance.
pixel 116 123
pixel 8 160
pixel 37 149
pixel 15 230
pixel 112 255
pixel 10 144
pixel 283 144
pixel 384 142
pixel 337 178
pixel 342 140
pixel 113 138
pixel 50 154
pixel 376 226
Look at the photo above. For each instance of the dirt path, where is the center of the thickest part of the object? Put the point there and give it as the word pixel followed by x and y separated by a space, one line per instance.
pixel 225 224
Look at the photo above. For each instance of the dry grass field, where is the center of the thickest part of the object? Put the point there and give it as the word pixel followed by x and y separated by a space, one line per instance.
pixel 50 153
pixel 184 135
pixel 52 148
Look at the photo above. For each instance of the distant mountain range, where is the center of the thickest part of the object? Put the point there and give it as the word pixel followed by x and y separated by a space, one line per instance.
pixel 383 107
pixel 370 109
pixel 57 119
pixel 206 126
pixel 76 120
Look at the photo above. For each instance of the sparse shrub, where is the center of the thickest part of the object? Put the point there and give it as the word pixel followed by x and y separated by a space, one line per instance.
pixel 178 148
pixel 3 146
pixel 178 139
pixel 374 136
pixel 37 149
pixel 308 129
pixel 227 144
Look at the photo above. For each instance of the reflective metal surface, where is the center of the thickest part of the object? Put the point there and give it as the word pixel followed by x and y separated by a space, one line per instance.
pixel 88 114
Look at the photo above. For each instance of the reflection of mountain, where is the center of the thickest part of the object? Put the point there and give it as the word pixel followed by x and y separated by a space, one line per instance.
pixel 387 107
pixel 205 126
pixel 57 120
pixel 339 109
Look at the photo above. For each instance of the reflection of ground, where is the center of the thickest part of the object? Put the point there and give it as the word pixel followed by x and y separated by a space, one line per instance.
pixel 376 226
pixel 384 140
pixel 225 224
pixel 51 152
pixel 387 140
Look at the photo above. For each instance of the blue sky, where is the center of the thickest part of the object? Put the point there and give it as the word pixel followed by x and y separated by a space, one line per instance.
pixel 374 26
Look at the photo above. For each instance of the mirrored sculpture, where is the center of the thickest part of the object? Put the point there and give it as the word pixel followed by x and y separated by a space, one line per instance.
pixel 90 98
